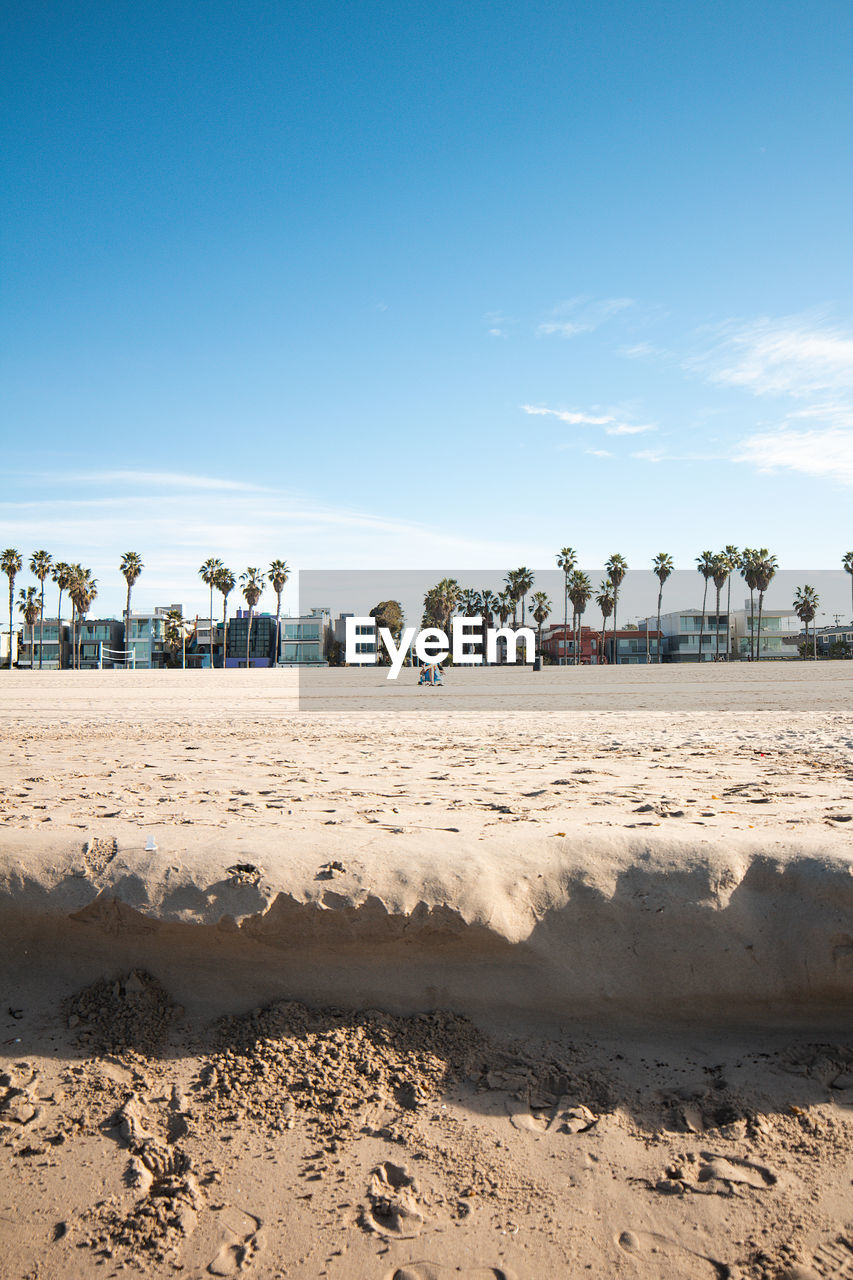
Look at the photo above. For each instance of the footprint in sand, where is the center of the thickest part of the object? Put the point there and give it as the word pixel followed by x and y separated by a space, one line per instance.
pixel 550 1117
pixel 702 1174
pixel 241 1246
pixel 435 1271
pixel 655 1250
pixel 394 1211
pixel 832 1261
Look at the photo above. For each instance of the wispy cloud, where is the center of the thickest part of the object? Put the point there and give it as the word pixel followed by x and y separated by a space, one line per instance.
pixel 823 452
pixel 599 453
pixel 150 480
pixel 793 355
pixel 612 425
pixel 581 315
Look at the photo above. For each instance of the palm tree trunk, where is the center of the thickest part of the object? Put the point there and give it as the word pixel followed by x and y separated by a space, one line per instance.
pixel 277 626
pixel 127 627
pixel 249 638
pixel 660 598
pixel 758 641
pixel 11 619
pixel 41 628
pixel 59 631
pixel 729 619
pixel 211 624
pixel 717 644
pixel 751 624
pixel 565 615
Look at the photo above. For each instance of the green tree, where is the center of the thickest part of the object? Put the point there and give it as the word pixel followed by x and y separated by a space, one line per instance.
pixel 662 567
pixel 490 603
pixel 62 579
pixel 441 602
pixel 720 571
pixel 131 566
pixel 847 566
pixel 278 574
pixel 41 563
pixel 748 568
pixel 225 584
pixel 10 563
pixel 616 568
pixel 806 601
pixel 540 607
pixel 177 630
pixel 580 594
pixel 208 573
pixel 253 587
pixel 388 614
pixel 567 559
pixel 29 610
pixel 765 572
pixel 705 565
pixel 605 601
pixel 83 590
pixel 733 556
pixel 524 581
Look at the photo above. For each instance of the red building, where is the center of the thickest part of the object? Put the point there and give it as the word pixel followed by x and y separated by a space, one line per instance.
pixel 558 644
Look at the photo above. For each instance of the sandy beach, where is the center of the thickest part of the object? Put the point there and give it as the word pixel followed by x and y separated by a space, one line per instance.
pixel 534 974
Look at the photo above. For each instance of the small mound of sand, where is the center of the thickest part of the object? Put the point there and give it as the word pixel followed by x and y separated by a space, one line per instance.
pixel 132 1012
pixel 336 1065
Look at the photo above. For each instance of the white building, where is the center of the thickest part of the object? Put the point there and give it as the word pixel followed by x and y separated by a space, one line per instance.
pixel 367 637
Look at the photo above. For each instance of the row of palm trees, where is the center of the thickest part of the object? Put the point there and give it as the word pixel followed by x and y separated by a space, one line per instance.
pixel 756 566
pixel 82 589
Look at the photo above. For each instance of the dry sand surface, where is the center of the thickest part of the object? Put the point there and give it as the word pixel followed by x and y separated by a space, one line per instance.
pixel 535 975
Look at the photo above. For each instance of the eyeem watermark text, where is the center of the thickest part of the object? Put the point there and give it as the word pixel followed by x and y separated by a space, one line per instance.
pixel 432 646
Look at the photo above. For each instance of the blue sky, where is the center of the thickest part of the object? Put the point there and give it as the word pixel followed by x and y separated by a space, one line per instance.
pixel 404 285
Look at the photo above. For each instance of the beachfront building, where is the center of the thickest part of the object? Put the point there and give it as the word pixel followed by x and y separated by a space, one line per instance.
pixel 681 632
pixel 631 647
pixel 780 632
pixel 831 641
pixel 147 639
pixel 305 640
pixel 99 643
pixel 558 644
pixel 55 635
pixel 366 639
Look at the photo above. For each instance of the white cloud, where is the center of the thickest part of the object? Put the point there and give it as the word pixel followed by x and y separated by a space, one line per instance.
pixel 612 425
pixel 151 479
pixel 584 314
pixel 824 452
pixel 793 355
pixel 599 453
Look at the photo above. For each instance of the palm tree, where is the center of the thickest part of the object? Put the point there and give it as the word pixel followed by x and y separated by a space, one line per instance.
pixel 83 591
pixel 40 566
pixel 847 565
pixel 10 563
pixel 62 578
pixel 29 610
pixel 279 572
pixel 765 572
pixel 567 561
pixel 616 568
pixel 733 556
pixel 225 584
pixel 440 603
pixel 720 572
pixel 662 567
pixel 605 601
pixel 580 594
pixel 806 601
pixel 748 571
pixel 131 566
pixel 253 589
pixel 504 607
pixel 524 580
pixel 208 574
pixel 489 604
pixel 540 607
pixel 176 635
pixel 705 565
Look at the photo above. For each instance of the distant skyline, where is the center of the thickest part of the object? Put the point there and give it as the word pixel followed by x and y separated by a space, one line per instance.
pixel 376 285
